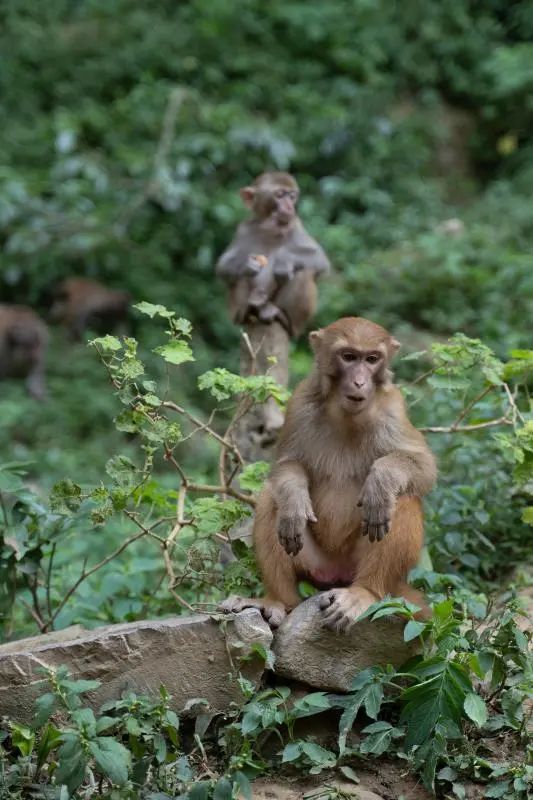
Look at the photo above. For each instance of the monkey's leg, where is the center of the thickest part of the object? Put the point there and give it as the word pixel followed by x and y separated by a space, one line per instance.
pixel 276 566
pixel 382 568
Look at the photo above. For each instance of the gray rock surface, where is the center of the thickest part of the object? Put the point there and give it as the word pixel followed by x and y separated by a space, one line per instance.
pixel 307 652
pixel 274 790
pixel 189 655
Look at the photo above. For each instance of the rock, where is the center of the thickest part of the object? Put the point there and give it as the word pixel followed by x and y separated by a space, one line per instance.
pixel 307 652
pixel 275 790
pixel 188 655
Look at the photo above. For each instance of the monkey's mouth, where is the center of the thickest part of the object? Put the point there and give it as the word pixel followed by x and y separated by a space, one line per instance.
pixel 355 398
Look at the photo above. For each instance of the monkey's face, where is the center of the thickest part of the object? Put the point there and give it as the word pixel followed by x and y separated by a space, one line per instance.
pixel 358 372
pixel 276 209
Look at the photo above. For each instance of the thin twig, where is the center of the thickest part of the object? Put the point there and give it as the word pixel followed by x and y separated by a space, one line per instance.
pixel 244 498
pixel 467 428
pixel 86 573
pixel 466 410
pixel 202 425
pixel 40 623
pixel 49 580
pixel 511 398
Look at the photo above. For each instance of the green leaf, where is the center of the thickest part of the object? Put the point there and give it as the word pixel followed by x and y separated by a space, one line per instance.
pixel 245 787
pixel 438 696
pixel 476 709
pixel 291 752
pixel 318 754
pixel 254 475
pixel 379 739
pixel 112 758
pixel 44 706
pixel 107 343
pixel 527 515
pixel 176 351
pixel 153 309
pixel 349 773
pixel 22 738
pixel 413 629
pixel 223 790
pixel 200 791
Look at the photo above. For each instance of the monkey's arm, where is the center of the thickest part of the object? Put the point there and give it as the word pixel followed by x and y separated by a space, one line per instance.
pixel 412 471
pixel 290 490
pixel 237 260
pixel 307 254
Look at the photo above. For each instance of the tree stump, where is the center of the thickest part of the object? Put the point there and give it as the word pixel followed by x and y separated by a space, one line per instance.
pixel 256 432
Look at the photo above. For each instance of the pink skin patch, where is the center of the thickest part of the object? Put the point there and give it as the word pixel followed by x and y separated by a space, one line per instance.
pixel 330 578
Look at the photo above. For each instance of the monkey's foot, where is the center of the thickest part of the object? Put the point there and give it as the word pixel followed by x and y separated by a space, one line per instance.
pixel 274 613
pixel 342 607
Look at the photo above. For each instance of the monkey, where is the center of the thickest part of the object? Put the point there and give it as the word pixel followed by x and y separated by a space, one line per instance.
pixel 342 506
pixel 283 288
pixel 80 303
pixel 23 343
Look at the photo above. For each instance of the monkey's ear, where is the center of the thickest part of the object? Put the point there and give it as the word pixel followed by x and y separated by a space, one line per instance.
pixel 247 194
pixel 315 339
pixel 395 345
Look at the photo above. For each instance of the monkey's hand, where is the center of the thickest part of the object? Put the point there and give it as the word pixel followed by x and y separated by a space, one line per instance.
pixel 254 264
pixel 283 270
pixel 292 527
pixel 377 503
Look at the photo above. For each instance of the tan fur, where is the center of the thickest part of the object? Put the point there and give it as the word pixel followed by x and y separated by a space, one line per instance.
pixel 81 302
pixel 284 289
pixel 23 343
pixel 343 469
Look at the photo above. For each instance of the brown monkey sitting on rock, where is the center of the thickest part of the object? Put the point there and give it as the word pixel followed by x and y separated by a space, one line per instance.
pixel 342 507
pixel 23 343
pixel 272 263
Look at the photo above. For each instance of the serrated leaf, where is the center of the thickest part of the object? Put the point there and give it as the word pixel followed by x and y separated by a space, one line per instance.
pixel 153 309
pixel 107 343
pixel 175 351
pixel 439 696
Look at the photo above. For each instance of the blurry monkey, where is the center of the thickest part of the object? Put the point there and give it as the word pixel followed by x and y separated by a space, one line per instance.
pixel 272 263
pixel 81 303
pixel 23 343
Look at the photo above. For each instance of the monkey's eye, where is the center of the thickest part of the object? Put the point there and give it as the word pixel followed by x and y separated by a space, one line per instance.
pixel 373 358
pixel 348 356
pixel 280 193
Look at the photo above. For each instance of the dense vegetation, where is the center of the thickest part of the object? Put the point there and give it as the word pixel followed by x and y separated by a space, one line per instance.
pixel 126 130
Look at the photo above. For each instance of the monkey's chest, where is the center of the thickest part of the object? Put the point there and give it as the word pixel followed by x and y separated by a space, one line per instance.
pixel 339 517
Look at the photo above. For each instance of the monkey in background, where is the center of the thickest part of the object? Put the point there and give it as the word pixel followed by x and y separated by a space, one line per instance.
pixel 342 507
pixel 272 263
pixel 81 303
pixel 23 343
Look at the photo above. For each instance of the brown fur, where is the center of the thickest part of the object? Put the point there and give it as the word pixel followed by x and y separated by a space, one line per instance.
pixel 342 507
pixel 284 288
pixel 23 343
pixel 81 303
